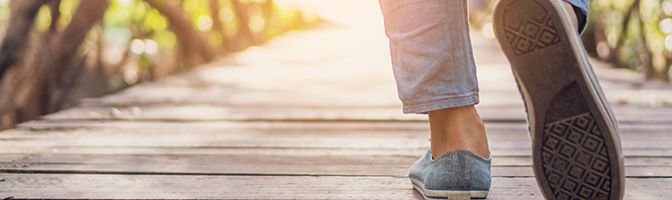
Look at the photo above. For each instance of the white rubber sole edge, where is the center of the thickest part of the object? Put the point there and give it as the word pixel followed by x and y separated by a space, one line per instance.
pixel 596 92
pixel 447 194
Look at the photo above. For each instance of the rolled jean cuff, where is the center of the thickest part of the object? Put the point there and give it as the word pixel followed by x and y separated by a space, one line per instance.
pixel 442 103
pixel 581 10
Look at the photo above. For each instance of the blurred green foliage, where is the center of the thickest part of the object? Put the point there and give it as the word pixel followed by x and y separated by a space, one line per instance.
pixel 58 51
pixel 633 34
pixel 134 27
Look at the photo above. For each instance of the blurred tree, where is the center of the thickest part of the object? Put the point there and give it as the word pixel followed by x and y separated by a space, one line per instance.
pixel 627 34
pixel 193 47
pixel 245 34
pixel 55 51
pixel 28 94
pixel 218 25
pixel 22 20
pixel 634 34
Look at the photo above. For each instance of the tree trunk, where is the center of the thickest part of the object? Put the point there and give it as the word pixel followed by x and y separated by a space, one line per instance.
pixel 613 57
pixel 29 96
pixel 590 40
pixel 665 72
pixel 66 45
pixel 646 56
pixel 217 24
pixel 21 22
pixel 267 10
pixel 245 34
pixel 55 15
pixel 192 46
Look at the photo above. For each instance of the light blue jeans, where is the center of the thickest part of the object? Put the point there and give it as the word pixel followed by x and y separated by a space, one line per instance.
pixel 432 58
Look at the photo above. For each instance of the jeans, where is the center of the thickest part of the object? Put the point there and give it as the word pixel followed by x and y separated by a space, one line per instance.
pixel 431 52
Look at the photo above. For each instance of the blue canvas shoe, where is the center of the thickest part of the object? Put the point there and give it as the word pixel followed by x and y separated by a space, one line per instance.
pixel 457 174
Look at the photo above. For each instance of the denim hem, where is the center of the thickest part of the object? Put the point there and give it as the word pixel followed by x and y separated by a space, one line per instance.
pixel 448 102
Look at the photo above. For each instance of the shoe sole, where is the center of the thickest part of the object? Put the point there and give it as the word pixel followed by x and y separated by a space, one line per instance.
pixel 576 150
pixel 430 194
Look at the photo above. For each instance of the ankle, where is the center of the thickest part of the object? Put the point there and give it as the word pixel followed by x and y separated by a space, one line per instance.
pixel 458 129
pixel 570 9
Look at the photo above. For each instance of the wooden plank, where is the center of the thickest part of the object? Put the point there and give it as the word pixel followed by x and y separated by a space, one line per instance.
pixel 351 129
pixel 402 129
pixel 304 151
pixel 95 186
pixel 285 139
pixel 192 112
pixel 391 129
pixel 274 139
pixel 286 156
pixel 344 159
pixel 518 147
pixel 281 162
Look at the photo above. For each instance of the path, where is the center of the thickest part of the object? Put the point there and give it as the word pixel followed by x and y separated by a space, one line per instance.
pixel 310 115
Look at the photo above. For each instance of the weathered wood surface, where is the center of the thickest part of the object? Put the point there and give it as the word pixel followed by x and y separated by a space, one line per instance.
pixel 311 115
pixel 269 187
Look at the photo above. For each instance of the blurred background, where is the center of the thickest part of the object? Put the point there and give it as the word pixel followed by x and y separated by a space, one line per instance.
pixel 633 34
pixel 278 99
pixel 55 52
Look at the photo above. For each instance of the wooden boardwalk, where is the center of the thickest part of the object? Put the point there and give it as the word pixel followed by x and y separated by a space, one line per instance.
pixel 311 115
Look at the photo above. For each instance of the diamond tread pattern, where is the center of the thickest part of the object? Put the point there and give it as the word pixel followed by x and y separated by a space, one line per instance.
pixel 575 159
pixel 534 33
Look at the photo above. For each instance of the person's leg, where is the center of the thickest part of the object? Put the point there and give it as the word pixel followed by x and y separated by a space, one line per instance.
pixel 458 128
pixel 436 75
pixel 435 71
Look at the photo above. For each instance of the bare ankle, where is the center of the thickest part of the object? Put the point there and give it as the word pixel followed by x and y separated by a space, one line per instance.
pixel 458 128
pixel 570 9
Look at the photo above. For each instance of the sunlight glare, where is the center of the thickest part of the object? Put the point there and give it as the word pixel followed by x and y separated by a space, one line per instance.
pixel 226 14
pixel 204 23
pixel 667 7
pixel 137 46
pixel 665 25
pixel 150 47
pixel 131 74
pixel 257 23
pixel 668 42
pixel 125 2
pixel 487 31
